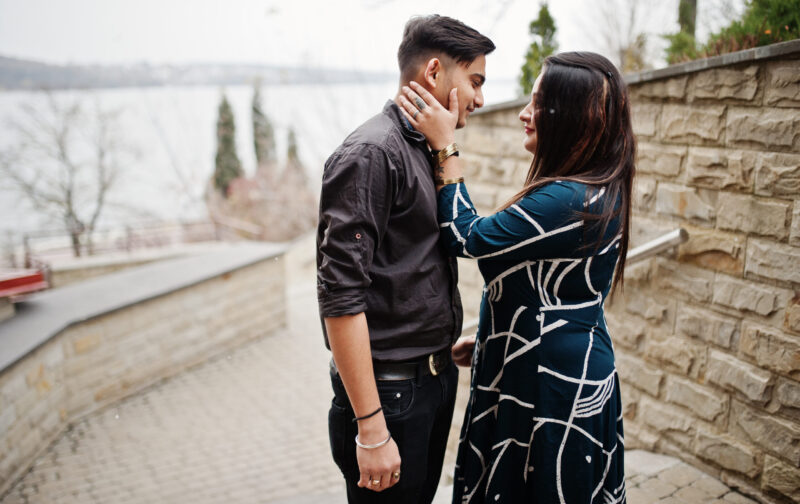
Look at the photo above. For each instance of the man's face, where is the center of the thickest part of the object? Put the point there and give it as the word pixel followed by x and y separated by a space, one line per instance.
pixel 469 80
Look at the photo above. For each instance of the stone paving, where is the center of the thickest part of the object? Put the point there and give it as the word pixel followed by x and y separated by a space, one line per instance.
pixel 250 427
pixel 653 478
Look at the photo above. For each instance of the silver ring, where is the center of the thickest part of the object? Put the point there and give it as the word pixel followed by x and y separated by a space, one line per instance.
pixel 420 103
pixel 414 115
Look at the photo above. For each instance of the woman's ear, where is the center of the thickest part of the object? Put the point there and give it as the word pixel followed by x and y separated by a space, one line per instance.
pixel 432 72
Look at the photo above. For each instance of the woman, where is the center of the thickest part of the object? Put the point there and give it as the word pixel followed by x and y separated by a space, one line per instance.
pixel 544 421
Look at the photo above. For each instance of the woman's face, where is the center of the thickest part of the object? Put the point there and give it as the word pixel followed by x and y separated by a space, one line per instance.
pixel 527 116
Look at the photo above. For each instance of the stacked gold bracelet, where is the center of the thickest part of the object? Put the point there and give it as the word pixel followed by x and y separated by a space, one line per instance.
pixel 450 150
pixel 446 181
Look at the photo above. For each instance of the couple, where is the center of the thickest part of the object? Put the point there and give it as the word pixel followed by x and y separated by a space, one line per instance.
pixel 544 419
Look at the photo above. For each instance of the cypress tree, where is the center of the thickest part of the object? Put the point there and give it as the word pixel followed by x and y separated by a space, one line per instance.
pixel 543 30
pixel 687 16
pixel 291 149
pixel 227 164
pixel 263 134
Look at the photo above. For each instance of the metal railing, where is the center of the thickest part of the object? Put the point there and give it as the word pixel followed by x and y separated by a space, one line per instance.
pixel 640 253
pixel 656 246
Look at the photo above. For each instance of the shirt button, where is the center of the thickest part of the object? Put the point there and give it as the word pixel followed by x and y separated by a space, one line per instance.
pixel 358 236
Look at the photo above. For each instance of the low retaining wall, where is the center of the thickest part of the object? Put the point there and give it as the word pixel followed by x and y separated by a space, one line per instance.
pixel 71 351
pixel 70 271
pixel 707 339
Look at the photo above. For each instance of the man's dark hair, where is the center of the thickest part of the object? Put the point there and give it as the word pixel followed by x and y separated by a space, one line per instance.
pixel 426 36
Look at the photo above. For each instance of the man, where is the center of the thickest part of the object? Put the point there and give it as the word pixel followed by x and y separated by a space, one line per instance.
pixel 387 292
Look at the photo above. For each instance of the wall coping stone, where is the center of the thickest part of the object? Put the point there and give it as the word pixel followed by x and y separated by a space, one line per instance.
pixel 133 257
pixel 46 314
pixel 754 54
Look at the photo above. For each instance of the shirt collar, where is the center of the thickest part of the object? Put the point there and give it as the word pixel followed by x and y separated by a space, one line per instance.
pixel 393 111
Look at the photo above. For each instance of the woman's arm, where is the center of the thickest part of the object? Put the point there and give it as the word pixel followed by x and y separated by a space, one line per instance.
pixel 437 123
pixel 543 224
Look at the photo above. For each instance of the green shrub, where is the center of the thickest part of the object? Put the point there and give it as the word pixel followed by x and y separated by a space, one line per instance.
pixel 764 22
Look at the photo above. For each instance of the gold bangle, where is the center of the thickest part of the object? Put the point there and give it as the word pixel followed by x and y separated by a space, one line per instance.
pixel 447 181
pixel 445 153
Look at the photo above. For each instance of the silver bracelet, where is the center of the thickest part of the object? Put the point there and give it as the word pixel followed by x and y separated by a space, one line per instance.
pixel 372 446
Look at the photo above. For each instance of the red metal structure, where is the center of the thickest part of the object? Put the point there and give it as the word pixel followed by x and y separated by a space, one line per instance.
pixel 17 282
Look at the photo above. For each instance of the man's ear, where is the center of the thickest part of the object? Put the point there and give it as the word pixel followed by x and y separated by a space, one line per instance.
pixel 432 74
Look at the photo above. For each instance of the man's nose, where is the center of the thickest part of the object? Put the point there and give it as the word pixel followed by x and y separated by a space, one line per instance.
pixel 479 99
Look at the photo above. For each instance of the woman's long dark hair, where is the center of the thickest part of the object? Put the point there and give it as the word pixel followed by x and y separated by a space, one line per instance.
pixel 584 133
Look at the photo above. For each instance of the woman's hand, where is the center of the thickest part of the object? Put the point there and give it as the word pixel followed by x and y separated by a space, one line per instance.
pixel 462 351
pixel 428 116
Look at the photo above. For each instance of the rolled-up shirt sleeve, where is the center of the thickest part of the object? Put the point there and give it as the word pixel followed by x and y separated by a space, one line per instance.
pixel 355 203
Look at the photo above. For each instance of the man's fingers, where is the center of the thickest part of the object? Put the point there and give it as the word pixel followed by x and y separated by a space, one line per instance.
pixel 388 481
pixel 394 477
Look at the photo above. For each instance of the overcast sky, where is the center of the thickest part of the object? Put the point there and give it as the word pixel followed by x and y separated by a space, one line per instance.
pixel 360 34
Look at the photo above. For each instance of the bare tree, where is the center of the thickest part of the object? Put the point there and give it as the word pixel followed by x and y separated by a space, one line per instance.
pixel 625 30
pixel 65 163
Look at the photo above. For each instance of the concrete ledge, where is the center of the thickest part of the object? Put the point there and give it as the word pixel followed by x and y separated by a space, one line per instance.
pixel 723 60
pixel 44 315
pixel 64 272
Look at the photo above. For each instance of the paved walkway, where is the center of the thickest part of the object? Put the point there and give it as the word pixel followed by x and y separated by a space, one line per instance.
pixel 250 427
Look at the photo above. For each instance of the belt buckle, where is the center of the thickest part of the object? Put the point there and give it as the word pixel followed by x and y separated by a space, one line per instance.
pixel 432 365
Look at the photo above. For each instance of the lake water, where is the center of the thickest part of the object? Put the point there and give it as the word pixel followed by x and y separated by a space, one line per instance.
pixel 171 130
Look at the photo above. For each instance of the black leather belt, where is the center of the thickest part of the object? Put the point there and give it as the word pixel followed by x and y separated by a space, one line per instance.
pixel 433 364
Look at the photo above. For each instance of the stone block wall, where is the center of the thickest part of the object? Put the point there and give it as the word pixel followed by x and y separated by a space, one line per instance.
pixel 707 338
pixel 93 364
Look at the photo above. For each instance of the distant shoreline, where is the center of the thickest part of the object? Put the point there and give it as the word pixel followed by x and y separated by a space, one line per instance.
pixel 22 74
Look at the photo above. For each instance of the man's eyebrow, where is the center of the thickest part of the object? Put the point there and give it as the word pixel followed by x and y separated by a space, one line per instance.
pixel 481 77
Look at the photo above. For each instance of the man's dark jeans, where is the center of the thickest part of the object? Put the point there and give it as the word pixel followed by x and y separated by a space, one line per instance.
pixel 418 413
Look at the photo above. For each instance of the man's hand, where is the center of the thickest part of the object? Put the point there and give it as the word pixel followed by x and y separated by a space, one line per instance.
pixel 462 351
pixel 378 464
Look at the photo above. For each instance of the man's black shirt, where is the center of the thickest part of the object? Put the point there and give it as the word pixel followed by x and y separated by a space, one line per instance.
pixel 378 246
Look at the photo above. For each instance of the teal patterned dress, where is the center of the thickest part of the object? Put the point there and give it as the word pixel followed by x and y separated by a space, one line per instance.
pixel 544 420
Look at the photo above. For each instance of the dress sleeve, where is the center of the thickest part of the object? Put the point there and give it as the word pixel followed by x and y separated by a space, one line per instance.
pixel 354 208
pixel 544 224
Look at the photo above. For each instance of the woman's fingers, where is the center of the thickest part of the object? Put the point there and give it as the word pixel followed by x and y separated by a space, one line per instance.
pixel 462 350
pixel 417 102
pixel 422 92
pixel 408 110
pixel 454 101
pixel 408 106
